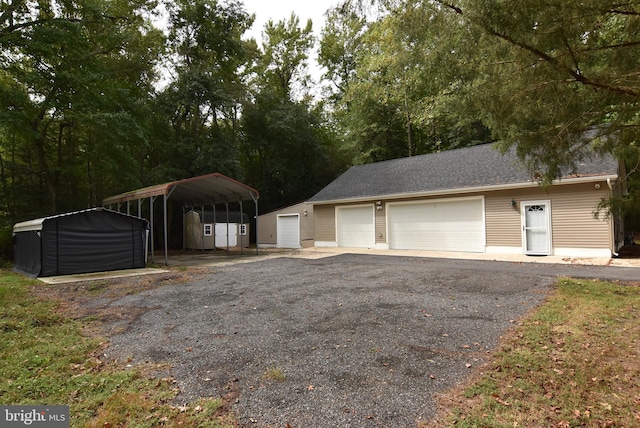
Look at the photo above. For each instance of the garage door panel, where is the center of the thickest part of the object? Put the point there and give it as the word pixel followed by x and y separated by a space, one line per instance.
pixel 288 231
pixel 438 226
pixel 356 227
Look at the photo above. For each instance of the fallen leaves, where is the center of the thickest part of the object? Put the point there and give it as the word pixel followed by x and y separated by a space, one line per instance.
pixel 500 400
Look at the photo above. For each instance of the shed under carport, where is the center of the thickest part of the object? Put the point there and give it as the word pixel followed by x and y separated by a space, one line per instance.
pixel 212 190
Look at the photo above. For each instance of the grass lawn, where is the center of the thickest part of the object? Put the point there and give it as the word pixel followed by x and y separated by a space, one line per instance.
pixel 45 359
pixel 574 361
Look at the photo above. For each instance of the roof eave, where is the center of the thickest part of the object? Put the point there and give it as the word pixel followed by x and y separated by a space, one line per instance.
pixel 475 189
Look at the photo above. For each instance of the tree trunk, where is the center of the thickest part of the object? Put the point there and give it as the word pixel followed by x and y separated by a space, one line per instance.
pixel 411 145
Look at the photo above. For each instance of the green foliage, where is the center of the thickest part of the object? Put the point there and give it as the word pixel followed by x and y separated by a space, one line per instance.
pixel 558 80
pixel 195 116
pixel 6 244
pixel 283 65
pixel 72 75
pixel 397 81
pixel 83 115
pixel 286 151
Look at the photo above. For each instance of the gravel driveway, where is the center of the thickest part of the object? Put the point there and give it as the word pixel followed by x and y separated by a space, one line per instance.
pixel 360 341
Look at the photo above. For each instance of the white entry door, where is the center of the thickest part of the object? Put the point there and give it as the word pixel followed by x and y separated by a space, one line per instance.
pixel 536 227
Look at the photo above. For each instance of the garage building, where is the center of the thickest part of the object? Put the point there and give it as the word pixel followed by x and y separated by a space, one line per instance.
pixel 472 199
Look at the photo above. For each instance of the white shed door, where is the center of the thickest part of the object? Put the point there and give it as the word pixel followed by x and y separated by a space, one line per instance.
pixel 288 231
pixel 437 226
pixel 221 238
pixel 356 226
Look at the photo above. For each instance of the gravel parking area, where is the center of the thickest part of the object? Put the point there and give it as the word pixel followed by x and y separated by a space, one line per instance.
pixel 343 341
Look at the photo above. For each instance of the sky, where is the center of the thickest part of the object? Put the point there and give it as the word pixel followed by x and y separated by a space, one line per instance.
pixel 281 9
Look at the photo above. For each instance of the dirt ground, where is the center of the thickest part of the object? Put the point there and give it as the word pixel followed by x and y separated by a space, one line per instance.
pixel 348 340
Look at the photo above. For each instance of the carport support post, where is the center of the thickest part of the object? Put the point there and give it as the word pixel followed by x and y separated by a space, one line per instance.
pixel 255 200
pixel 166 247
pixel 226 204
pixel 202 229
pixel 184 229
pixel 240 235
pixel 215 248
pixel 151 200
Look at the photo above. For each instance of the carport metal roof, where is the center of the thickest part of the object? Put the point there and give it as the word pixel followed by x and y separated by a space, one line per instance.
pixel 211 188
pixel 208 189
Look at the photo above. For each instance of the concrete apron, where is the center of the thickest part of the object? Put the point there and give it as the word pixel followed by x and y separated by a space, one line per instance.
pixel 64 279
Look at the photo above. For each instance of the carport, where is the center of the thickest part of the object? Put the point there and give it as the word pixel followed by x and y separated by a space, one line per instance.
pixel 212 190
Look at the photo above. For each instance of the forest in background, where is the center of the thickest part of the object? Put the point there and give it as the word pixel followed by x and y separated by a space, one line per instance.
pixel 96 100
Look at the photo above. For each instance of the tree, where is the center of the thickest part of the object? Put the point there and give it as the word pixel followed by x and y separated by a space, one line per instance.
pixel 558 80
pixel 201 102
pixel 287 153
pixel 339 42
pixel 399 81
pixel 284 64
pixel 71 78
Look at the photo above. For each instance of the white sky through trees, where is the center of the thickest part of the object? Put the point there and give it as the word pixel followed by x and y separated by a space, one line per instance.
pixel 278 10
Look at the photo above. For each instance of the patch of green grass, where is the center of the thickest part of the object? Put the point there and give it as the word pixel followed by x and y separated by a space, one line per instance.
pixel 573 362
pixel 45 359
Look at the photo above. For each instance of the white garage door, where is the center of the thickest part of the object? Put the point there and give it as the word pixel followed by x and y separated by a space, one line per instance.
pixel 356 227
pixel 288 231
pixel 441 225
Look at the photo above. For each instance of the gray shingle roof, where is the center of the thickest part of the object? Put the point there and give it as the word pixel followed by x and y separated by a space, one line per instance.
pixel 469 167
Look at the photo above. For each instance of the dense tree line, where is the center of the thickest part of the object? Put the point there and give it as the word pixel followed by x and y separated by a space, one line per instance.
pixel 96 100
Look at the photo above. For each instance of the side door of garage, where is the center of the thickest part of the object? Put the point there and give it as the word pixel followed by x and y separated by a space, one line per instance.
pixel 438 225
pixel 356 226
pixel 288 231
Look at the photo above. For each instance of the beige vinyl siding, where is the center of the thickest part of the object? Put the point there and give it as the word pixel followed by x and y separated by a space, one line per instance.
pixel 572 219
pixel 572 206
pixel 267 224
pixel 572 222
pixel 267 229
pixel 325 222
pixel 502 221
pixel 381 225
